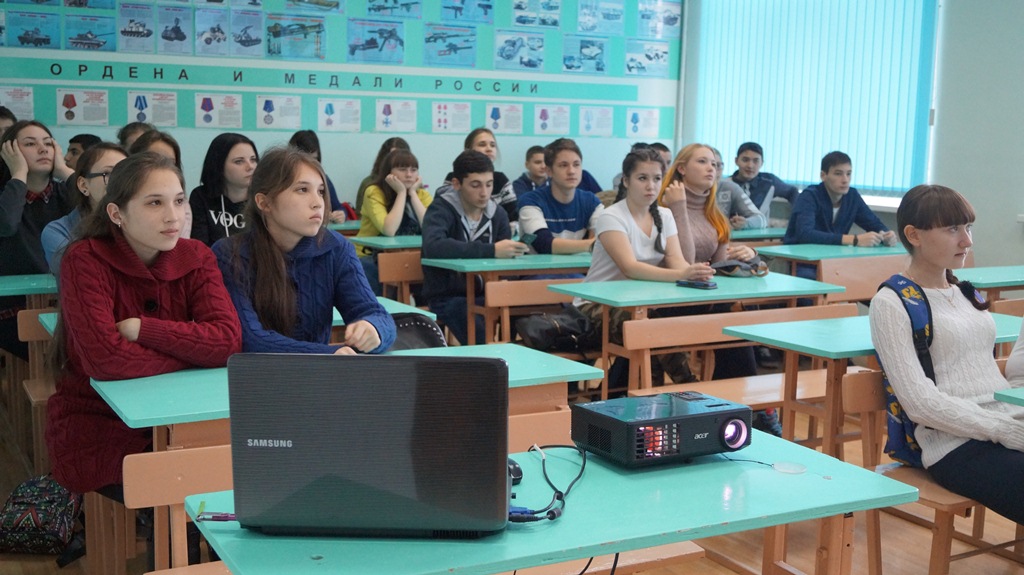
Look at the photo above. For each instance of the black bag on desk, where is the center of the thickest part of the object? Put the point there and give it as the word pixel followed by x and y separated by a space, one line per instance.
pixel 39 517
pixel 567 330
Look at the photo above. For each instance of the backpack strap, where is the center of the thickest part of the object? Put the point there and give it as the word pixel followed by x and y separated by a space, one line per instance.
pixel 920 312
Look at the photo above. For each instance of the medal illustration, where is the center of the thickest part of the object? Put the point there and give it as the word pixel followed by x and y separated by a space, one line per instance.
pixel 386 112
pixel 544 118
pixel 588 118
pixel 329 111
pixel 635 120
pixel 207 106
pixel 141 104
pixel 495 115
pixel 268 107
pixel 69 103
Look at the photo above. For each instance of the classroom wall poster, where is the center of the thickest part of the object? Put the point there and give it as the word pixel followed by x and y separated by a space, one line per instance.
pixel 660 19
pixel 19 99
pixel 597 121
pixel 211 35
pixel 251 4
pixel 642 122
pixel 604 17
pixel 581 54
pixel 33 30
pixel 517 50
pixel 246 33
pixel 409 9
pixel 541 13
pixel 315 6
pixel 82 107
pixel 295 38
pixel 449 46
pixel 551 119
pixel 395 116
pixel 136 24
pixel 101 4
pixel 505 118
pixel 175 25
pixel 3 28
pixel 36 2
pixel 90 33
pixel 279 112
pixel 451 117
pixel 338 114
pixel 453 11
pixel 219 111
pixel 647 58
pixel 376 41
pixel 157 108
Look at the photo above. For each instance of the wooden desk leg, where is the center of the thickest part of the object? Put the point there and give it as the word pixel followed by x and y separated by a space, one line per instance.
pixel 789 400
pixel 470 311
pixel 830 443
pixel 774 555
pixel 835 546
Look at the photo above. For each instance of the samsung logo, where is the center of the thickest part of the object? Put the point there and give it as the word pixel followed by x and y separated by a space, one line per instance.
pixel 268 442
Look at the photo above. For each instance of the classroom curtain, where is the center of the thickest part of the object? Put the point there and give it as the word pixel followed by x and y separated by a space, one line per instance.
pixel 805 77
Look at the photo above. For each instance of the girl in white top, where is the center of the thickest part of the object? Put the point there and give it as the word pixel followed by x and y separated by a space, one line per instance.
pixel 970 443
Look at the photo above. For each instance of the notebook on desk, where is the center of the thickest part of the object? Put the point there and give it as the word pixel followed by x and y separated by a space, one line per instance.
pixel 369 445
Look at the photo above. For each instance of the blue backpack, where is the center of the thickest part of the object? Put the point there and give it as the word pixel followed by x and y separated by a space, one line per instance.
pixel 901 444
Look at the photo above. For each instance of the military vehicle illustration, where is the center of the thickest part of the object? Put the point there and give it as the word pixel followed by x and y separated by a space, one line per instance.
pixel 245 38
pixel 384 36
pixel 136 29
pixel 634 65
pixel 551 5
pixel 34 37
pixel 572 63
pixel 520 5
pixel 276 30
pixel 590 52
pixel 510 48
pixel 213 34
pixel 443 37
pixel 535 43
pixel 87 40
pixel 669 18
pixel 526 19
pixel 321 4
pixel 587 21
pixel 548 20
pixel 173 33
pixel 530 62
pixel 74 3
pixel 611 14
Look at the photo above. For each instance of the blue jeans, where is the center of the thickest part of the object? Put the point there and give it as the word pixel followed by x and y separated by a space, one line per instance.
pixel 451 311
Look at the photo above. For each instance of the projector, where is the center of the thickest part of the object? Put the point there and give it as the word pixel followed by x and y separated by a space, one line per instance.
pixel 664 428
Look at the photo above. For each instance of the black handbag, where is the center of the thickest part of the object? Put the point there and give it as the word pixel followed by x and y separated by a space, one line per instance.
pixel 567 330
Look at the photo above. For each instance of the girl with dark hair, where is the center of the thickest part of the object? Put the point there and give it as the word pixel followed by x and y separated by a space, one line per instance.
pixel 90 183
pixel 482 140
pixel 389 145
pixel 287 272
pixel 130 132
pixel 31 196
pixel 164 144
pixel 971 443
pixel 307 141
pixel 136 301
pixel 218 204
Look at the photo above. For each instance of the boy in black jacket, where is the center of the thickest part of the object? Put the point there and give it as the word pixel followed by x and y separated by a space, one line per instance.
pixel 464 222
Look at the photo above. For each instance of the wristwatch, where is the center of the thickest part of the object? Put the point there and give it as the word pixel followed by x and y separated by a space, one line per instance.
pixel 855 240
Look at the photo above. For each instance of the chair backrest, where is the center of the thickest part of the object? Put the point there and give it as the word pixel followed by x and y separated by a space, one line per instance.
pixel 399 266
pixel 164 478
pixel 512 293
pixel 29 328
pixel 860 276
pixel 416 331
pixel 1009 307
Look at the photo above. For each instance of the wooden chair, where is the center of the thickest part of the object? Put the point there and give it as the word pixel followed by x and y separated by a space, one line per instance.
pixel 30 427
pixel 110 535
pixel 860 276
pixel 1008 307
pixel 522 297
pixel 164 478
pixel 863 394
pixel 398 270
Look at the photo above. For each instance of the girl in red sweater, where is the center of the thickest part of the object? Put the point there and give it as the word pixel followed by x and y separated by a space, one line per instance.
pixel 136 300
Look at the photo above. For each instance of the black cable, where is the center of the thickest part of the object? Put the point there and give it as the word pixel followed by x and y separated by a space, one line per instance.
pixel 748 461
pixel 554 509
pixel 615 563
pixel 585 567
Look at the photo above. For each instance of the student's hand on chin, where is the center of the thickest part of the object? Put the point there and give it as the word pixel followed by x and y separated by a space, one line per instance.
pixel 362 336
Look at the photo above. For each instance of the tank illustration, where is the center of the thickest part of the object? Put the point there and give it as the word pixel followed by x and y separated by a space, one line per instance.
pixel 34 37
pixel 136 29
pixel 246 39
pixel 173 33
pixel 213 34
pixel 87 40
pixel 510 48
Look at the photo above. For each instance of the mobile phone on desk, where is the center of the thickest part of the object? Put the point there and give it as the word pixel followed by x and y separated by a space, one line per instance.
pixel 697 284
pixel 528 239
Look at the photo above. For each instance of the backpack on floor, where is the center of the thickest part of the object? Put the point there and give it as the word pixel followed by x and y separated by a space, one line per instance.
pixel 39 517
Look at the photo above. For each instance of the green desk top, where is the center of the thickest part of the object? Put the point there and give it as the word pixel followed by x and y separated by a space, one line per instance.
pixel 391 306
pixel 1014 396
pixel 626 293
pixel 818 252
pixel 610 510
pixel 388 243
pixel 839 338
pixel 524 263
pixel 49 321
pixel 750 234
pixel 27 284
pixel 346 226
pixel 202 394
pixel 993 277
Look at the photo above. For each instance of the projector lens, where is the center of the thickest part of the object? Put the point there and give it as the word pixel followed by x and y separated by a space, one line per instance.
pixel 734 433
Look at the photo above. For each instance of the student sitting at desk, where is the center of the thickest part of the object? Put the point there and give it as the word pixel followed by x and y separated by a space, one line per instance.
pixel 136 300
pixel 824 213
pixel 464 222
pixel 30 197
pixel 536 173
pixel 971 443
pixel 287 272
pixel 560 215
pixel 762 187
pixel 734 202
pixel 393 206
pixel 388 146
pixel 90 185
pixel 482 140
pixel 218 203
pixel 307 141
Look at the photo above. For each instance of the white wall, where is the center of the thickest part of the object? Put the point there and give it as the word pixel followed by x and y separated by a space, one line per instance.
pixel 978 137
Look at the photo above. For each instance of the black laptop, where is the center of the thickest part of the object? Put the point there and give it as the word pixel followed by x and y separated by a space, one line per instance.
pixel 369 445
